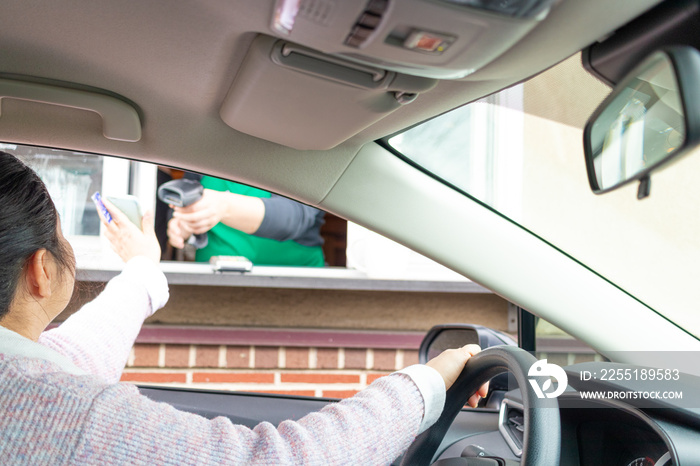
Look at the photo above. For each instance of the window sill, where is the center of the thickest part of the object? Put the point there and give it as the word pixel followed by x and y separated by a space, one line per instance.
pixel 326 278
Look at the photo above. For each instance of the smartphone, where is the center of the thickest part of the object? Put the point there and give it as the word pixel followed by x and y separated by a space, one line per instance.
pixel 130 206
pixel 230 264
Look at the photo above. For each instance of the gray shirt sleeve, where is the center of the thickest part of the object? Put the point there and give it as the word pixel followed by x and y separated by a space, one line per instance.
pixel 286 219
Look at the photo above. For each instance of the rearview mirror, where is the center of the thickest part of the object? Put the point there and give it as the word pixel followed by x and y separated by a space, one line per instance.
pixel 650 118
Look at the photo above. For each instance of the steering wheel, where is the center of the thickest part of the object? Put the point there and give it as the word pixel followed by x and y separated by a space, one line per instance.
pixel 542 435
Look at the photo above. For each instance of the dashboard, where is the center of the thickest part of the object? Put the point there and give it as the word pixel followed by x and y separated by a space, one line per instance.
pixel 597 433
pixel 594 433
pixel 610 432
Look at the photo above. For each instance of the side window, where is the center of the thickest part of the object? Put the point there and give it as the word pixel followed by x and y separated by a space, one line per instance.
pixel 69 179
pixel 488 167
pixel 318 331
pixel 558 347
pixel 72 178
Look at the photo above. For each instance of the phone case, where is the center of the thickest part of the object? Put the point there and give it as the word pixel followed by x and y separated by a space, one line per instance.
pixel 97 199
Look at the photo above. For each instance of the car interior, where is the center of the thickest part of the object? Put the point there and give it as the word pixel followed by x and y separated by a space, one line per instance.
pixel 328 102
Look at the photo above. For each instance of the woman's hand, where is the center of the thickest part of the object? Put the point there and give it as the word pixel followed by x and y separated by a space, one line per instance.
pixel 204 214
pixel 126 239
pixel 450 364
pixel 239 211
pixel 178 233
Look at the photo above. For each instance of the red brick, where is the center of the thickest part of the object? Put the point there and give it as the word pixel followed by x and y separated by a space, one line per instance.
pixel 339 393
pixel 154 377
pixel 207 356
pixel 286 392
pixel 355 358
pixel 237 356
pixel 320 378
pixel 327 358
pixel 410 357
pixel 266 357
pixel 384 359
pixel 146 355
pixel 297 358
pixel 177 355
pixel 372 377
pixel 229 377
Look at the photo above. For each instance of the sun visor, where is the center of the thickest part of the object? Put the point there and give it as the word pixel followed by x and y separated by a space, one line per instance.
pixel 308 100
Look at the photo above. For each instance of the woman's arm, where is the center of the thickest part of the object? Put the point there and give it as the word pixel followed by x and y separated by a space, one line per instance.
pixel 99 337
pixel 244 213
pixel 286 219
pixel 373 427
pixel 275 217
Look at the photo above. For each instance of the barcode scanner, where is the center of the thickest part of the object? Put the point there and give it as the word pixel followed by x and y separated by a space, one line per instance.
pixel 181 193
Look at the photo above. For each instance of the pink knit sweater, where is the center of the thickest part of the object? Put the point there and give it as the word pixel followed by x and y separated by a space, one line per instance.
pixel 60 402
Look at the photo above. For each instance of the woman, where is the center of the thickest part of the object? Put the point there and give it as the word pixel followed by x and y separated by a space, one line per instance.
pixel 60 400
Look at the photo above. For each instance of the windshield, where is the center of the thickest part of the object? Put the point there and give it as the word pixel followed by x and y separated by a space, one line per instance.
pixel 521 153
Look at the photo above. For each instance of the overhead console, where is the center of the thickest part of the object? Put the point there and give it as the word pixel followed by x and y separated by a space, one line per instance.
pixel 332 99
pixel 444 39
pixel 350 63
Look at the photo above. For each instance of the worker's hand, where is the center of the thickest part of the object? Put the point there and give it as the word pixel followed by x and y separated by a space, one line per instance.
pixel 450 364
pixel 178 234
pixel 126 239
pixel 201 216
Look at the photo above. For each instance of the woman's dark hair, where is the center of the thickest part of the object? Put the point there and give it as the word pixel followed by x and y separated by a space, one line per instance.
pixel 28 222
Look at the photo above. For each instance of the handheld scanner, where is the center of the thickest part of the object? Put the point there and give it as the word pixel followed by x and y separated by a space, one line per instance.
pixel 97 199
pixel 180 193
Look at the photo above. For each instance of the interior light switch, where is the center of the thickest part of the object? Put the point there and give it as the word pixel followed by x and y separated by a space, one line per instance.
pixel 430 42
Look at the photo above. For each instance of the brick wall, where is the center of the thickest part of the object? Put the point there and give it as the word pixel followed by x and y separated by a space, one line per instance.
pixel 322 363
pixel 309 371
